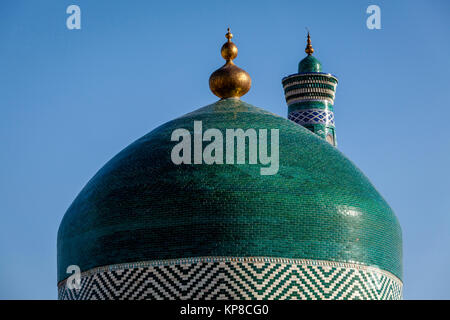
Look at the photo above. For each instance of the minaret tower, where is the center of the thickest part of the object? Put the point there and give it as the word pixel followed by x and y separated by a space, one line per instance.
pixel 310 96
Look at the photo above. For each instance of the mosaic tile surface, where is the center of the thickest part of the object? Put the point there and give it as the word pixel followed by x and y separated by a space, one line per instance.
pixel 310 98
pixel 142 207
pixel 236 278
pixel 309 87
pixel 312 116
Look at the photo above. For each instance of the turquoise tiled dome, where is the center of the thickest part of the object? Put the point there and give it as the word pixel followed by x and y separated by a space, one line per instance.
pixel 309 64
pixel 142 207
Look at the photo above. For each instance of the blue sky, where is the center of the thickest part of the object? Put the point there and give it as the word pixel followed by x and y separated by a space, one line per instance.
pixel 71 99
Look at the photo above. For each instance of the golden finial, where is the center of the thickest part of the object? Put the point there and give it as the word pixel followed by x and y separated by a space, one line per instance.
pixel 229 35
pixel 229 81
pixel 309 49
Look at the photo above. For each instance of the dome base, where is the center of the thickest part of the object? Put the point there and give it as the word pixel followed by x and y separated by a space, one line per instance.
pixel 237 278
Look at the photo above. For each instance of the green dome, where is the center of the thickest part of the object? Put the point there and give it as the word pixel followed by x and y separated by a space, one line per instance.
pixel 309 64
pixel 140 206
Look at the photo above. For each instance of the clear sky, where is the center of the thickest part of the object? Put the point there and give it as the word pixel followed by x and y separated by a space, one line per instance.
pixel 71 99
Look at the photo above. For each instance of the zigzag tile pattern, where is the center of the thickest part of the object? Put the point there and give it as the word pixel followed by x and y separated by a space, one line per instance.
pixel 241 280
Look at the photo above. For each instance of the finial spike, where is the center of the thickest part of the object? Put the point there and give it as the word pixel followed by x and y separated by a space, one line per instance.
pixel 309 49
pixel 229 35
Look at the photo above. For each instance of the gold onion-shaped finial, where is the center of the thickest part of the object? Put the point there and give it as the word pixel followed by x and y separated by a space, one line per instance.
pixel 229 81
pixel 309 49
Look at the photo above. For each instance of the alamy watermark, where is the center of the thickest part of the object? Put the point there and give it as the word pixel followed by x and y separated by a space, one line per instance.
pixel 74 20
pixel 74 280
pixel 374 20
pixel 189 150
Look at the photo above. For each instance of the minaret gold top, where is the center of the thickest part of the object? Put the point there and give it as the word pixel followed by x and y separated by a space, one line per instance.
pixel 229 81
pixel 309 49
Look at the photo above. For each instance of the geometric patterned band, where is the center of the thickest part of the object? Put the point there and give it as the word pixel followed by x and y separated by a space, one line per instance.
pixel 298 96
pixel 243 278
pixel 312 116
pixel 309 87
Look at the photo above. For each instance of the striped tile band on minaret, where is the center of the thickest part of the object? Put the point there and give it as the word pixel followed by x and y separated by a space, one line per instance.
pixel 310 97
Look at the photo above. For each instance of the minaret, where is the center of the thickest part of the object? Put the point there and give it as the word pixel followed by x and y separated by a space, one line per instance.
pixel 310 96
